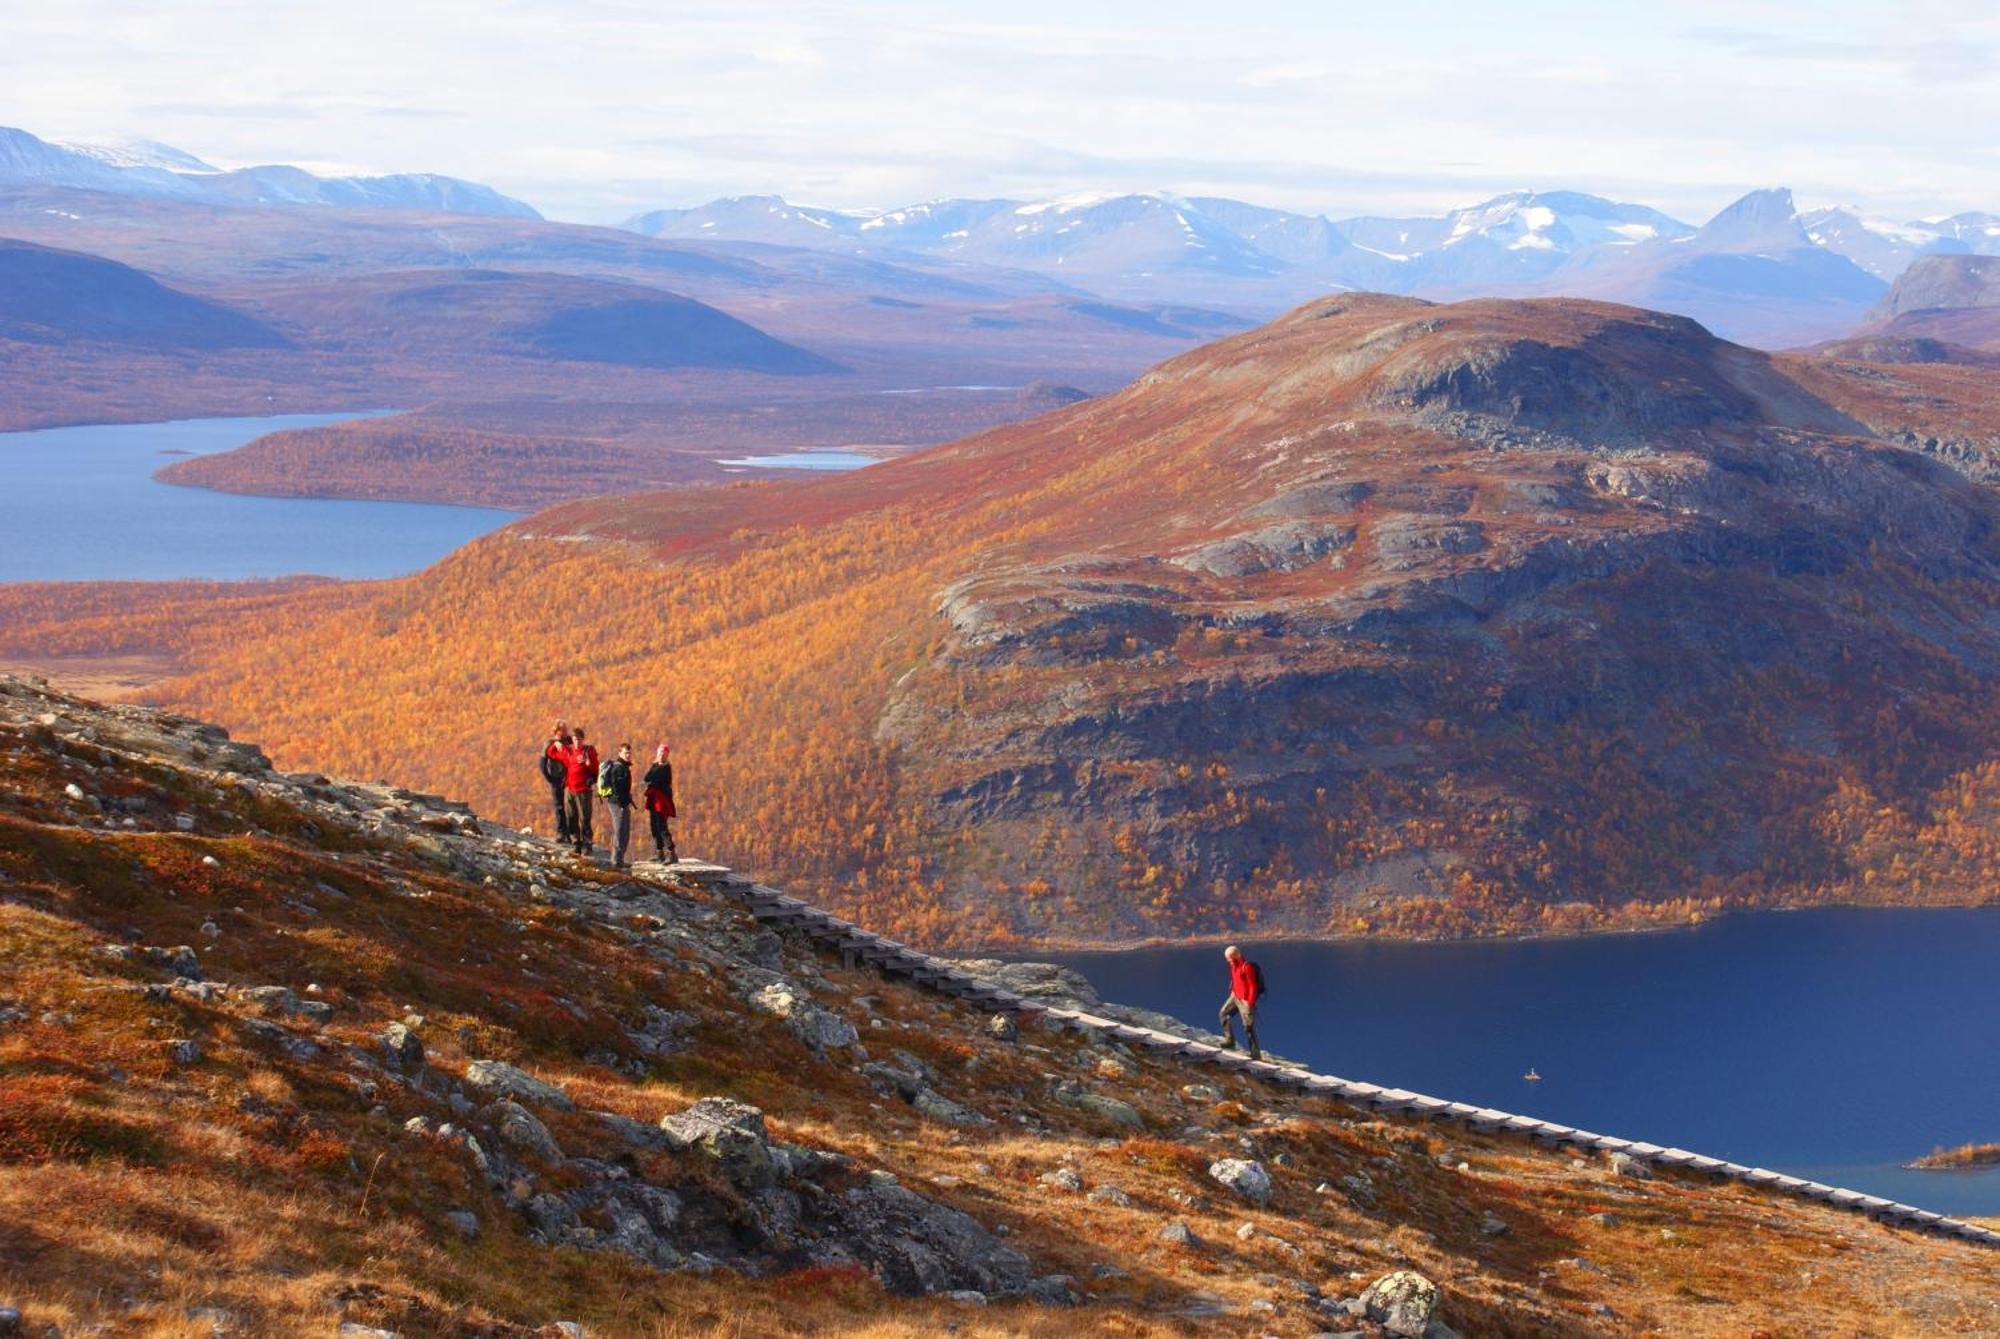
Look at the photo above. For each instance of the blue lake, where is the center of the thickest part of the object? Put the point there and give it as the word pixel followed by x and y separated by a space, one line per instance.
pixel 1833 1045
pixel 81 504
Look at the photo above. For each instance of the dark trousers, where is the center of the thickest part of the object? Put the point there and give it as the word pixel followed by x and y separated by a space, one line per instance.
pixel 663 836
pixel 556 793
pixel 621 831
pixel 1232 1009
pixel 579 817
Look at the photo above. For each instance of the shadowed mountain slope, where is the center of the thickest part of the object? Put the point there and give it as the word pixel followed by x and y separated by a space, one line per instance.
pixel 540 315
pixel 49 296
pixel 1386 617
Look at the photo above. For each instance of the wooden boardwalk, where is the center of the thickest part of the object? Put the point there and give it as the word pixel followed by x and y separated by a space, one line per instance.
pixel 886 955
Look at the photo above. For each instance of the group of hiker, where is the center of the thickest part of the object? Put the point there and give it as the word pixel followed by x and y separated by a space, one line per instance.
pixel 578 781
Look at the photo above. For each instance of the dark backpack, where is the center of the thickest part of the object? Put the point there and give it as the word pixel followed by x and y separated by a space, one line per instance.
pixel 1257 975
pixel 604 775
pixel 552 768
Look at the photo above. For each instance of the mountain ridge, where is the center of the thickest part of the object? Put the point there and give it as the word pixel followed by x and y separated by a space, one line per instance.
pixel 152 169
pixel 1760 271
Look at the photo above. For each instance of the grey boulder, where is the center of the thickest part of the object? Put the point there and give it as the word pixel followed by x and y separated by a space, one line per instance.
pixel 1401 1303
pixel 497 1078
pixel 730 1132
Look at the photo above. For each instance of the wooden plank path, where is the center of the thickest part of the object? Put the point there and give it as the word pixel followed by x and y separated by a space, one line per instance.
pixel 856 945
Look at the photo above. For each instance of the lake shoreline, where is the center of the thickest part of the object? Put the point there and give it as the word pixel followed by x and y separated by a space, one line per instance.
pixel 1208 939
pixel 1791 1042
pixel 92 496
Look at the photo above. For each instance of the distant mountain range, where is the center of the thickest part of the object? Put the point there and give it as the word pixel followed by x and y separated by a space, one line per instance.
pixel 1760 270
pixel 143 167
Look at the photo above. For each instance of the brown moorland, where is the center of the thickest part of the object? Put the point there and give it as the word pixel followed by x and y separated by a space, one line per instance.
pixel 1387 618
pixel 562 451
pixel 282 1127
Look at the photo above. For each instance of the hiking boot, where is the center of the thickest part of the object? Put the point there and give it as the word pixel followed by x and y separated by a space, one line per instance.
pixel 1256 1054
pixel 659 857
pixel 1228 1044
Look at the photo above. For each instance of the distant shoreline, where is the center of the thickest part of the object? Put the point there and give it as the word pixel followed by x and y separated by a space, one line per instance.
pixel 1964 1158
pixel 1015 952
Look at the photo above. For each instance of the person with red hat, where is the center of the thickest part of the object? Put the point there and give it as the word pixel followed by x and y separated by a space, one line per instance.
pixel 660 806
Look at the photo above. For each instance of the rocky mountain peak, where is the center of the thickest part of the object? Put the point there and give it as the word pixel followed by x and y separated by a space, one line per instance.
pixel 1935 283
pixel 1763 220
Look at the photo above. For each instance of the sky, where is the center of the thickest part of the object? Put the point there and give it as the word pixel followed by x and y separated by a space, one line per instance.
pixel 592 110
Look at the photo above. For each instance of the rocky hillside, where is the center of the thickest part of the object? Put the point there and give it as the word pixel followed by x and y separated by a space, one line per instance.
pixel 1388 617
pixel 1948 307
pixel 285 1055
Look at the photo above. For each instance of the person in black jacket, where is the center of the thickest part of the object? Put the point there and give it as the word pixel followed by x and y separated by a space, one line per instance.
pixel 618 779
pixel 660 807
pixel 554 772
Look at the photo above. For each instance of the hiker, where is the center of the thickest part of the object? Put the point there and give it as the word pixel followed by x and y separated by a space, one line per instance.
pixel 660 806
pixel 614 787
pixel 1246 987
pixel 557 775
pixel 579 774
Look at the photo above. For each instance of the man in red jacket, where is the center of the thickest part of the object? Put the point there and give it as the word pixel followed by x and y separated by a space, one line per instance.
pixel 579 780
pixel 1246 987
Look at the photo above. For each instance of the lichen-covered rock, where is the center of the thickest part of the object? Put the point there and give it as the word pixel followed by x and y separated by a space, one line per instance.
pixel 1284 547
pixel 1246 1178
pixel 1062 1178
pixel 519 1129
pixel 1113 1109
pixel 917 1246
pixel 1624 1164
pixel 497 1078
pixel 941 1108
pixel 1001 1027
pixel 402 1045
pixel 816 1026
pixel 732 1133
pixel 636 1133
pixel 1401 1303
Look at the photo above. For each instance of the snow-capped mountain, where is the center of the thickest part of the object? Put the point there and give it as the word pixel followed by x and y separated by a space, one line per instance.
pixel 1753 274
pixel 1885 249
pixel 26 160
pixel 140 153
pixel 1205 249
pixel 934 226
pixel 752 218
pixel 148 168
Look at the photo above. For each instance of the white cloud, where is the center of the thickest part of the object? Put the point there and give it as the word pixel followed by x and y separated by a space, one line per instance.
pixel 596 108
